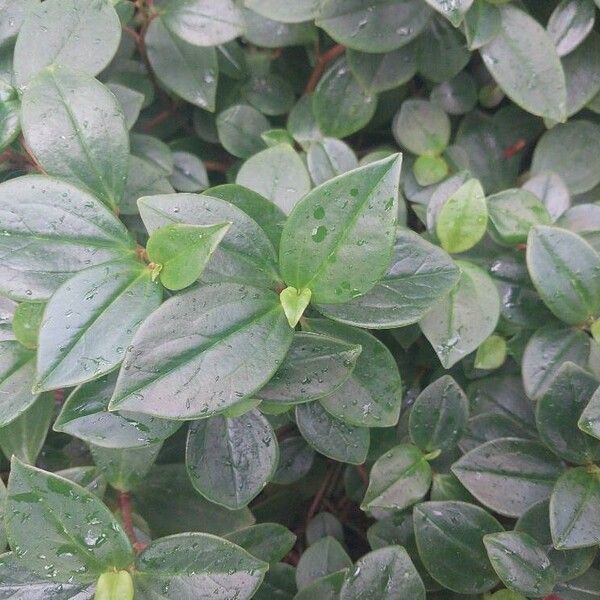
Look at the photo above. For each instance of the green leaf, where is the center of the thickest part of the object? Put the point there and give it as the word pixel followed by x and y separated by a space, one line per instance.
pixel 153 151
pixel 582 586
pixel 239 128
pixel 481 24
pixel 580 168
pixel 421 127
pixel 238 335
pixel 399 478
pixel 514 212
pixel 383 72
pixel 17 372
pixel 454 11
pixel 178 566
pixel 278 174
pixel 279 582
pixel 26 323
pixel 324 588
pixel 521 563
pixel 322 525
pixel 268 215
pixel 170 504
pixel 296 459
pixel 24 436
pixel 340 104
pixel 245 253
pixel 508 475
pixel 570 23
pixel 322 558
pixel 575 508
pixel 201 22
pixel 567 564
pixel 294 303
pixel 328 158
pixel 462 219
pixel 67 33
pixel 330 436
pixel 314 367
pixel 114 586
pixel 430 169
pixel 385 573
pixel 565 270
pixel 17 580
pixel 100 308
pixel 188 70
pixel 182 251
pixel 299 11
pixel 81 537
pixel 449 538
pixel 420 274
pixel 456 96
pixel 144 178
pixel 271 94
pixel 12 15
pixel 268 542
pixel 85 415
pixel 267 33
pixel 558 411
pixel 50 231
pixel 230 460
pixel 491 354
pixel 130 101
pixel 439 415
pixel 125 468
pixel 347 221
pixel 189 173
pixel 552 191
pixel 371 396
pixel 9 115
pixel 458 323
pixel 524 62
pixel 3 540
pixel 589 421
pixel 88 120
pixel 382 26
pixel 582 73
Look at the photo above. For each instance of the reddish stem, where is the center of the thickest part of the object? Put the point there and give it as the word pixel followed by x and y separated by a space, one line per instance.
pixel 216 166
pixel 515 148
pixel 126 509
pixel 160 118
pixel 322 61
pixel 316 503
pixel 362 473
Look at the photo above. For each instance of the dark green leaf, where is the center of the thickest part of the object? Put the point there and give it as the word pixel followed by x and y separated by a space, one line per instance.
pixel 81 537
pixel 521 563
pixel 481 23
pixel 179 566
pixel 186 360
pixel 268 542
pixel 449 537
pixel 324 588
pixel 230 460
pixel 322 558
pixel 330 436
pixel 51 230
pixel 398 479
pixel 439 415
pixel 279 583
pixel 508 475
pixel 189 173
pixel 239 128
pixel 296 459
pixel 346 221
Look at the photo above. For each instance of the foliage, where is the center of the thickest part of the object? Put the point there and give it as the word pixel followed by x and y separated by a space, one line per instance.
pixel 299 299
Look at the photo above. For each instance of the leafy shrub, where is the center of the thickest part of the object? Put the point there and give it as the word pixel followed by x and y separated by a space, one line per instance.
pixel 248 349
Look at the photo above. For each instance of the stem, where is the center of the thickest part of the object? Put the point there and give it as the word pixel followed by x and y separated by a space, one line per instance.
pixel 160 118
pixel 515 148
pixel 362 473
pixel 322 61
pixel 216 166
pixel 126 509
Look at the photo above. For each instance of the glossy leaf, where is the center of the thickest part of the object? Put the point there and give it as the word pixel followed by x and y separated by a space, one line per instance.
pixel 294 303
pixel 45 219
pixel 439 415
pixel 523 60
pixel 508 475
pixel 398 479
pixel 178 566
pixel 457 324
pixel 570 23
pixel 268 542
pixel 230 460
pixel 17 372
pixel 239 128
pixel 449 538
pixel 231 316
pixel 322 558
pixel 182 251
pixel 589 421
pixel 346 221
pixel 89 121
pixel 26 323
pixel 81 537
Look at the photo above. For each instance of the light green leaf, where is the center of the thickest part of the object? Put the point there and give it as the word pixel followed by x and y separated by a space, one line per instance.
pixel 399 478
pixel 462 219
pixel 26 323
pixel 88 120
pixel 565 270
pixel 294 303
pixel 100 308
pixel 230 460
pixel 182 251
pixel 183 67
pixel 338 240
pixel 80 36
pixel 238 335
pixel 524 62
pixel 491 354
pixel 178 566
pixel 460 322
pixel 114 586
pixel 422 127
pixel 81 537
